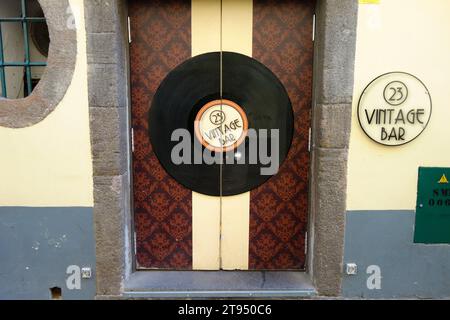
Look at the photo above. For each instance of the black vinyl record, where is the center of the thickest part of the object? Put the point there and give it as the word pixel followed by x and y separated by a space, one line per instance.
pixel 256 100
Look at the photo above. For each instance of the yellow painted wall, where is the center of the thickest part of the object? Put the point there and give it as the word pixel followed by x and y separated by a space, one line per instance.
pixel 411 36
pixel 50 163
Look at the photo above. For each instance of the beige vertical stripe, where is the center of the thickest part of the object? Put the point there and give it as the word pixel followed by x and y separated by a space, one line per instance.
pixel 205 209
pixel 205 26
pixel 237 36
pixel 205 232
pixel 237 30
pixel 207 249
pixel 235 231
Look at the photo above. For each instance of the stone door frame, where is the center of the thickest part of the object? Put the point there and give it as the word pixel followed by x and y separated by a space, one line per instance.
pixel 109 105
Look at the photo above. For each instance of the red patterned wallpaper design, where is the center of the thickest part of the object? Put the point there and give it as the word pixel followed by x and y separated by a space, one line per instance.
pixel 282 40
pixel 161 33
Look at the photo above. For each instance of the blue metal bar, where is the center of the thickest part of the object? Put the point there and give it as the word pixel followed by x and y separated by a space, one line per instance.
pixel 2 68
pixel 23 64
pixel 26 47
pixel 21 19
pixel 27 64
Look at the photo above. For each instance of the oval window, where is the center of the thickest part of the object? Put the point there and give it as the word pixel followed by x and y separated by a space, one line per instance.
pixel 24 45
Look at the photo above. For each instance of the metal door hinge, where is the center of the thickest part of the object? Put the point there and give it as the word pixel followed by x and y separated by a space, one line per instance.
pixel 309 140
pixel 306 243
pixel 129 30
pixel 135 243
pixel 132 140
pixel 314 28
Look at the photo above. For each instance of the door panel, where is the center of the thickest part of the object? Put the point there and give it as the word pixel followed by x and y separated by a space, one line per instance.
pixel 237 28
pixel 282 40
pixel 206 210
pixel 180 229
pixel 161 39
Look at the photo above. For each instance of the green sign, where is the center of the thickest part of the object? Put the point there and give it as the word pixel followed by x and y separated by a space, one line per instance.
pixel 433 206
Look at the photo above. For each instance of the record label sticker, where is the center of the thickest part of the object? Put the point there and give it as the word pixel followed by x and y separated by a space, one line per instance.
pixel 221 125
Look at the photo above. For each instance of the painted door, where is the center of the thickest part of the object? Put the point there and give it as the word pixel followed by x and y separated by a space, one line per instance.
pixel 264 229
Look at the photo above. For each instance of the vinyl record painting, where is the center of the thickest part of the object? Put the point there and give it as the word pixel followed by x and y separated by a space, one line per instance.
pixel 190 98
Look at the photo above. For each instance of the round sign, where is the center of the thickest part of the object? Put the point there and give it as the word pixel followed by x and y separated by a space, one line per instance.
pixel 394 109
pixel 221 125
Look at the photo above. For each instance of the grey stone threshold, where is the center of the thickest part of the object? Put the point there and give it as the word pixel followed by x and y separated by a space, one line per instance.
pixel 218 284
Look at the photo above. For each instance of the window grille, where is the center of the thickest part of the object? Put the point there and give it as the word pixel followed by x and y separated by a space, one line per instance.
pixel 27 63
